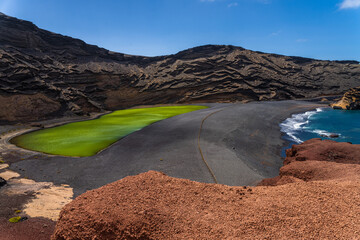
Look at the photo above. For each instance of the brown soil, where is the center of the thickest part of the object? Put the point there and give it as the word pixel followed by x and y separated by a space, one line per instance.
pixel 32 229
pixel 27 107
pixel 326 150
pixel 321 201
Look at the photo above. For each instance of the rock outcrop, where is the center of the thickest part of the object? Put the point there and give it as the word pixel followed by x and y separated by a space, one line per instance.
pixel 350 100
pixel 58 74
pixel 316 160
pixel 319 201
pixel 2 182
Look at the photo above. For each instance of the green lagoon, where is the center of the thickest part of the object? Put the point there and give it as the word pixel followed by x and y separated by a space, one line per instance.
pixel 86 138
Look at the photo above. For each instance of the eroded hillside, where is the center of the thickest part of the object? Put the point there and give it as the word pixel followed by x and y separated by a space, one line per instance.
pixel 43 74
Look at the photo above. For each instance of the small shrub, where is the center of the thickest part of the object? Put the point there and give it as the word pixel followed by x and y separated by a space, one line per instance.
pixel 15 219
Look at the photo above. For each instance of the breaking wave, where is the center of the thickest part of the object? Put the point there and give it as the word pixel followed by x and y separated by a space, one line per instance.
pixel 298 123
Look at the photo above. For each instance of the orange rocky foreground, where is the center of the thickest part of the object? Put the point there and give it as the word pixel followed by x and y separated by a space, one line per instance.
pixel 316 196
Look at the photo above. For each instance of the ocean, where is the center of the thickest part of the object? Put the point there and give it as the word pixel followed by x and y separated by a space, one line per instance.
pixel 322 123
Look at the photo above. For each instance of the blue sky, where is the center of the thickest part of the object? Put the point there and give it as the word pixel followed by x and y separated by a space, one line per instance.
pixel 323 29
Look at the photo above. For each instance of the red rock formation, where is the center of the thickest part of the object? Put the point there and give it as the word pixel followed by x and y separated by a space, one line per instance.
pixel 318 159
pixel 321 202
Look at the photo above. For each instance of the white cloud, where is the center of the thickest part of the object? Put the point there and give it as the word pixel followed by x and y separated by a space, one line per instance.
pixel 300 40
pixel 207 0
pixel 275 33
pixel 234 4
pixel 350 4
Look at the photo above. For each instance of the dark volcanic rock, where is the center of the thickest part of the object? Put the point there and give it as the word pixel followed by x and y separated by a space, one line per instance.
pixel 2 182
pixel 350 100
pixel 76 77
pixel 38 125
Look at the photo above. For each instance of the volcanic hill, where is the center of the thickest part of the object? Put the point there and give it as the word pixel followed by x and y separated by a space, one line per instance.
pixel 43 74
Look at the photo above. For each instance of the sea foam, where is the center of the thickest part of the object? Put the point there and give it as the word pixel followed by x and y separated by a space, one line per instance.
pixel 296 123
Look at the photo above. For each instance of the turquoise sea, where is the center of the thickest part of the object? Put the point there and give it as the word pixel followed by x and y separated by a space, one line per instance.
pixel 321 123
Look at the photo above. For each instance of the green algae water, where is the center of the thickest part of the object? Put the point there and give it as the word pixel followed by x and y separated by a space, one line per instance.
pixel 86 138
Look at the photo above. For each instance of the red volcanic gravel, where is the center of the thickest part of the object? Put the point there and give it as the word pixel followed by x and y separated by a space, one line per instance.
pixel 324 150
pixel 316 160
pixel 320 201
pixel 31 229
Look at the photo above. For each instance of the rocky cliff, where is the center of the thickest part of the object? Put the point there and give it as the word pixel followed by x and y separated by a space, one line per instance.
pixel 350 100
pixel 43 74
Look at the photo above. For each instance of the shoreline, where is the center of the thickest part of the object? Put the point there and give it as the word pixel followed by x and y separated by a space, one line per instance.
pixel 284 135
pixel 173 141
pixel 320 123
pixel 243 131
pixel 7 136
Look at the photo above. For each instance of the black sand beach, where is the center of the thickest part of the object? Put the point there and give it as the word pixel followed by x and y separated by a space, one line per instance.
pixel 240 143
